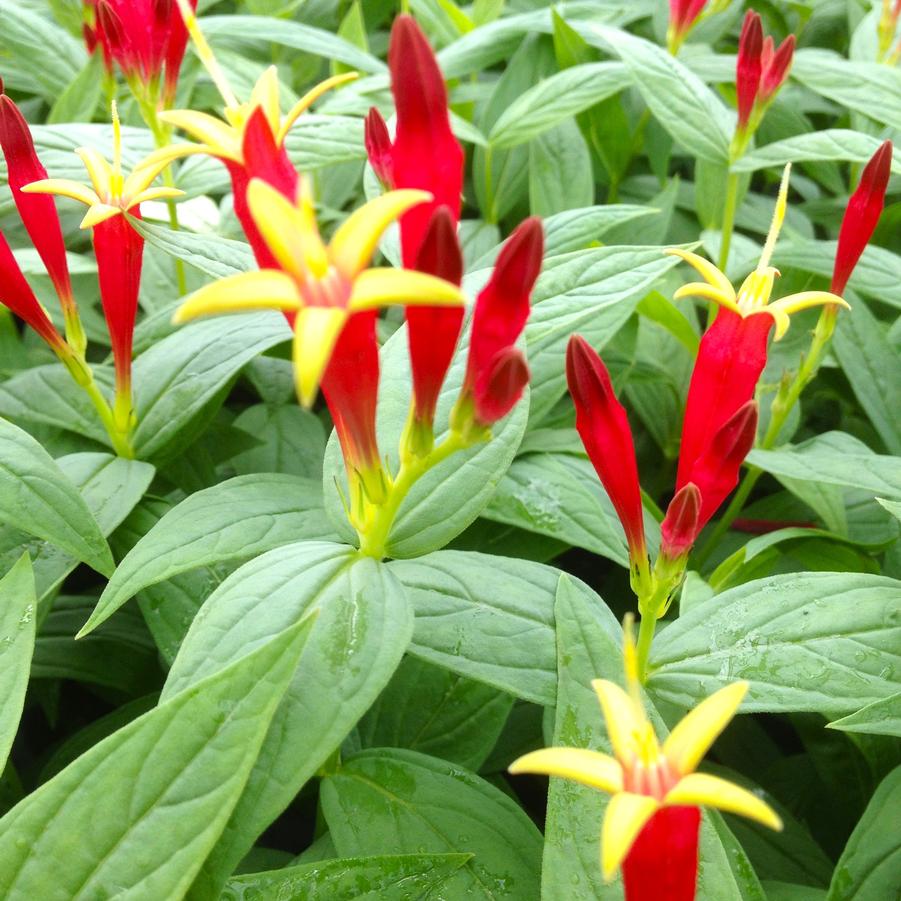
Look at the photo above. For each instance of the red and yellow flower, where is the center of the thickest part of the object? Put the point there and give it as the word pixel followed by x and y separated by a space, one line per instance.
pixel 652 820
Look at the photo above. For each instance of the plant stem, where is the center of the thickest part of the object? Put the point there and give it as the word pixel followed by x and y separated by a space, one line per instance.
pixel 121 441
pixel 646 629
pixel 374 537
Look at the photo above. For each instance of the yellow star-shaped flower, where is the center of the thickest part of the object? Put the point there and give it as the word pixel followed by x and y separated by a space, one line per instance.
pixel 643 776
pixel 321 285
pixel 754 294
pixel 110 193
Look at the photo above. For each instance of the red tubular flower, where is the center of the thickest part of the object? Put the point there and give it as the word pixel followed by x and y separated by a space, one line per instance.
pixel 378 148
pixel 119 250
pixel 663 861
pixel 436 328
pixel 682 17
pixel 350 384
pixel 146 39
pixel 730 359
pixel 604 429
pixel 501 311
pixel 425 155
pixel 38 212
pixel 16 294
pixel 861 216
pixel 748 66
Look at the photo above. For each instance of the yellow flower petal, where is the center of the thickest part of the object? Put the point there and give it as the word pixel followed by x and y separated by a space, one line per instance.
pixel 780 309
pixel 695 733
pixel 290 231
pixel 267 289
pixel 316 330
pixel 379 287
pixel 143 175
pixel 708 292
pixel 98 213
pixel 699 789
pixel 706 269
pixel 219 137
pixel 580 764
pixel 154 194
pixel 99 170
pixel 625 817
pixel 309 99
pixel 624 723
pixel 64 187
pixel 356 239
pixel 172 152
pixel 265 94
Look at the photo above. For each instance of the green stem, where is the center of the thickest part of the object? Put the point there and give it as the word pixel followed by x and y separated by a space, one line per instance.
pixel 782 406
pixel 374 538
pixel 643 649
pixel 728 219
pixel 121 441
pixel 490 212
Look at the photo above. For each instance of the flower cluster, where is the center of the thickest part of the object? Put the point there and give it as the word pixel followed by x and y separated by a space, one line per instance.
pixel 652 820
pixel 330 294
pixel 145 39
pixel 761 70
pixel 720 422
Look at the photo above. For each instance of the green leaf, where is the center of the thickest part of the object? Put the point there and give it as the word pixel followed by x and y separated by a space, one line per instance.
pixel 213 255
pixel 240 31
pixel 291 440
pixel 362 630
pixel 589 647
pixel 80 98
pixel 555 99
pixel 879 718
pixel 592 292
pixel 429 709
pixel 448 497
pixel 689 110
pixel 824 642
pixel 236 519
pixel 392 877
pixel 179 380
pixel 834 458
pixel 851 84
pixel 828 144
pixel 157 793
pixel 657 308
pixel 873 368
pixel 384 800
pixel 17 626
pixel 559 495
pixel 869 866
pixel 560 176
pixel 36 497
pixel 489 618
pixel 578 229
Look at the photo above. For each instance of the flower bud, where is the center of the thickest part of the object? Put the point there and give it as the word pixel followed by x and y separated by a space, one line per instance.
pixel 680 525
pixel 378 148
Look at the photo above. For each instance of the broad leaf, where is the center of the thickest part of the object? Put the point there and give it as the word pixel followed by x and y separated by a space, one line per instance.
pixel 879 718
pixel 386 800
pixel 36 497
pixel 824 642
pixel 156 794
pixel 361 632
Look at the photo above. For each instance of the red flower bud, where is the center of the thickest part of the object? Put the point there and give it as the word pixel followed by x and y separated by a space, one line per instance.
pixel 433 331
pixel 16 293
pixel 604 429
pixel 861 216
pixel 663 861
pixel 680 525
pixel 730 360
pixel 378 147
pixel 507 379
pixel 682 14
pixel 426 155
pixel 502 308
pixel 748 65
pixel 775 67
pixel 715 472
pixel 38 211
